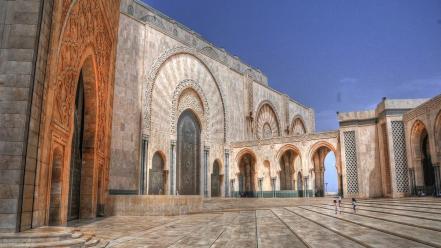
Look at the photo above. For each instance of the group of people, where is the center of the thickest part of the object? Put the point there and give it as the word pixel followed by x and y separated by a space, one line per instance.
pixel 337 204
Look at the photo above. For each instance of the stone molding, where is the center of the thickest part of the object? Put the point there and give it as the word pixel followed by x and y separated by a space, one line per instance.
pixel 290 139
pixel 150 84
pixel 203 114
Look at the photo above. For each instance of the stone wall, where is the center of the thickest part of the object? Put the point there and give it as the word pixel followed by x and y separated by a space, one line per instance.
pixel 19 26
pixel 44 47
pixel 380 156
pixel 359 149
pixel 156 61
pixel 141 205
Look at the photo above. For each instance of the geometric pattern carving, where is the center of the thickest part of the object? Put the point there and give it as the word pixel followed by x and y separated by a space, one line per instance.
pixel 401 177
pixel 267 133
pixel 152 74
pixel 189 95
pixel 298 127
pixel 266 117
pixel 351 161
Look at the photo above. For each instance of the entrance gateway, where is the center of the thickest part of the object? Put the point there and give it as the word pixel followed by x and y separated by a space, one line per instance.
pixel 188 154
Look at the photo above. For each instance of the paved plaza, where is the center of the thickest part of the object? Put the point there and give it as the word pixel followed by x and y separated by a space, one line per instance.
pixel 408 222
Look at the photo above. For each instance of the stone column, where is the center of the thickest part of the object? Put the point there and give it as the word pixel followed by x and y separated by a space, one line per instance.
pixel 412 181
pixel 260 186
pixel 232 188
pixel 143 178
pixel 306 186
pixel 273 184
pixel 227 173
pixel 206 153
pixel 436 168
pixel 173 167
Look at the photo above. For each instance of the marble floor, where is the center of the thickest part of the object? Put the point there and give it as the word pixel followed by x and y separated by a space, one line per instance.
pixel 407 222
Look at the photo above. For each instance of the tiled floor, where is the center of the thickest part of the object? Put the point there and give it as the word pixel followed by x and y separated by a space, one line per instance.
pixel 410 222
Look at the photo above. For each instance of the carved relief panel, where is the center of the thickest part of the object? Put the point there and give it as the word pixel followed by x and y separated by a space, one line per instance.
pixel 188 154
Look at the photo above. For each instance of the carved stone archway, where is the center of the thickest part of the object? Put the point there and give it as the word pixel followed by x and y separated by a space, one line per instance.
pixel 153 73
pixel 437 132
pixel 189 95
pixel 297 126
pixel 267 121
pixel 317 154
pixel 83 39
pixel 421 156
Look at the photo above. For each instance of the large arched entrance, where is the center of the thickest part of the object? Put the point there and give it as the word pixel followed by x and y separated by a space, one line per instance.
pixel 188 154
pixel 247 176
pixel 216 180
pixel 424 180
pixel 287 170
pixel 327 175
pixel 76 158
pixel 75 183
pixel 428 170
pixel 157 177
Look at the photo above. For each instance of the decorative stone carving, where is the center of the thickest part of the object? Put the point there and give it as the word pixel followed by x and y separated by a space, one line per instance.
pixel 189 95
pixel 297 126
pixel 83 38
pixel 267 123
pixel 152 74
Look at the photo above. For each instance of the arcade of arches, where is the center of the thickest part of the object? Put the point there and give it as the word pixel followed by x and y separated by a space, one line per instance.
pixel 124 103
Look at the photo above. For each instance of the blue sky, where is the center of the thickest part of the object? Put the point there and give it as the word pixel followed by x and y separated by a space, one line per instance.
pixel 331 55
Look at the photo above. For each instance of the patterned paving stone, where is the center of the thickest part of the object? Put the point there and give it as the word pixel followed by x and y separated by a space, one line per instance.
pixel 302 223
pixel 410 213
pixel 401 219
pixel 314 234
pixel 364 235
pixel 408 232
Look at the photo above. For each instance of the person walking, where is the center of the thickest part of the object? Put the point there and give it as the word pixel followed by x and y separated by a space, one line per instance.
pixel 354 205
pixel 339 201
pixel 335 205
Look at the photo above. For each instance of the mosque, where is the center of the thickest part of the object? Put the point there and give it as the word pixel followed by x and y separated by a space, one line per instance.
pixel 110 107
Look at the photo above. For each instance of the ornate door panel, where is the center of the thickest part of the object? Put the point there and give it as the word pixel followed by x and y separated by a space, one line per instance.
pixel 188 155
pixel 156 177
pixel 76 156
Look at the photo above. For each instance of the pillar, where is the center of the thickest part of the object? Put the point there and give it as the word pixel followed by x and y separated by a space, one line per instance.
pixel 273 185
pixel 412 182
pixel 436 168
pixel 260 186
pixel 227 173
pixel 173 167
pixel 142 177
pixel 306 186
pixel 232 187
pixel 206 153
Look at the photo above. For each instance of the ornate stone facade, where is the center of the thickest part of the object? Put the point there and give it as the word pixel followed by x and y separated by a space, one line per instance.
pixel 79 38
pixel 165 112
